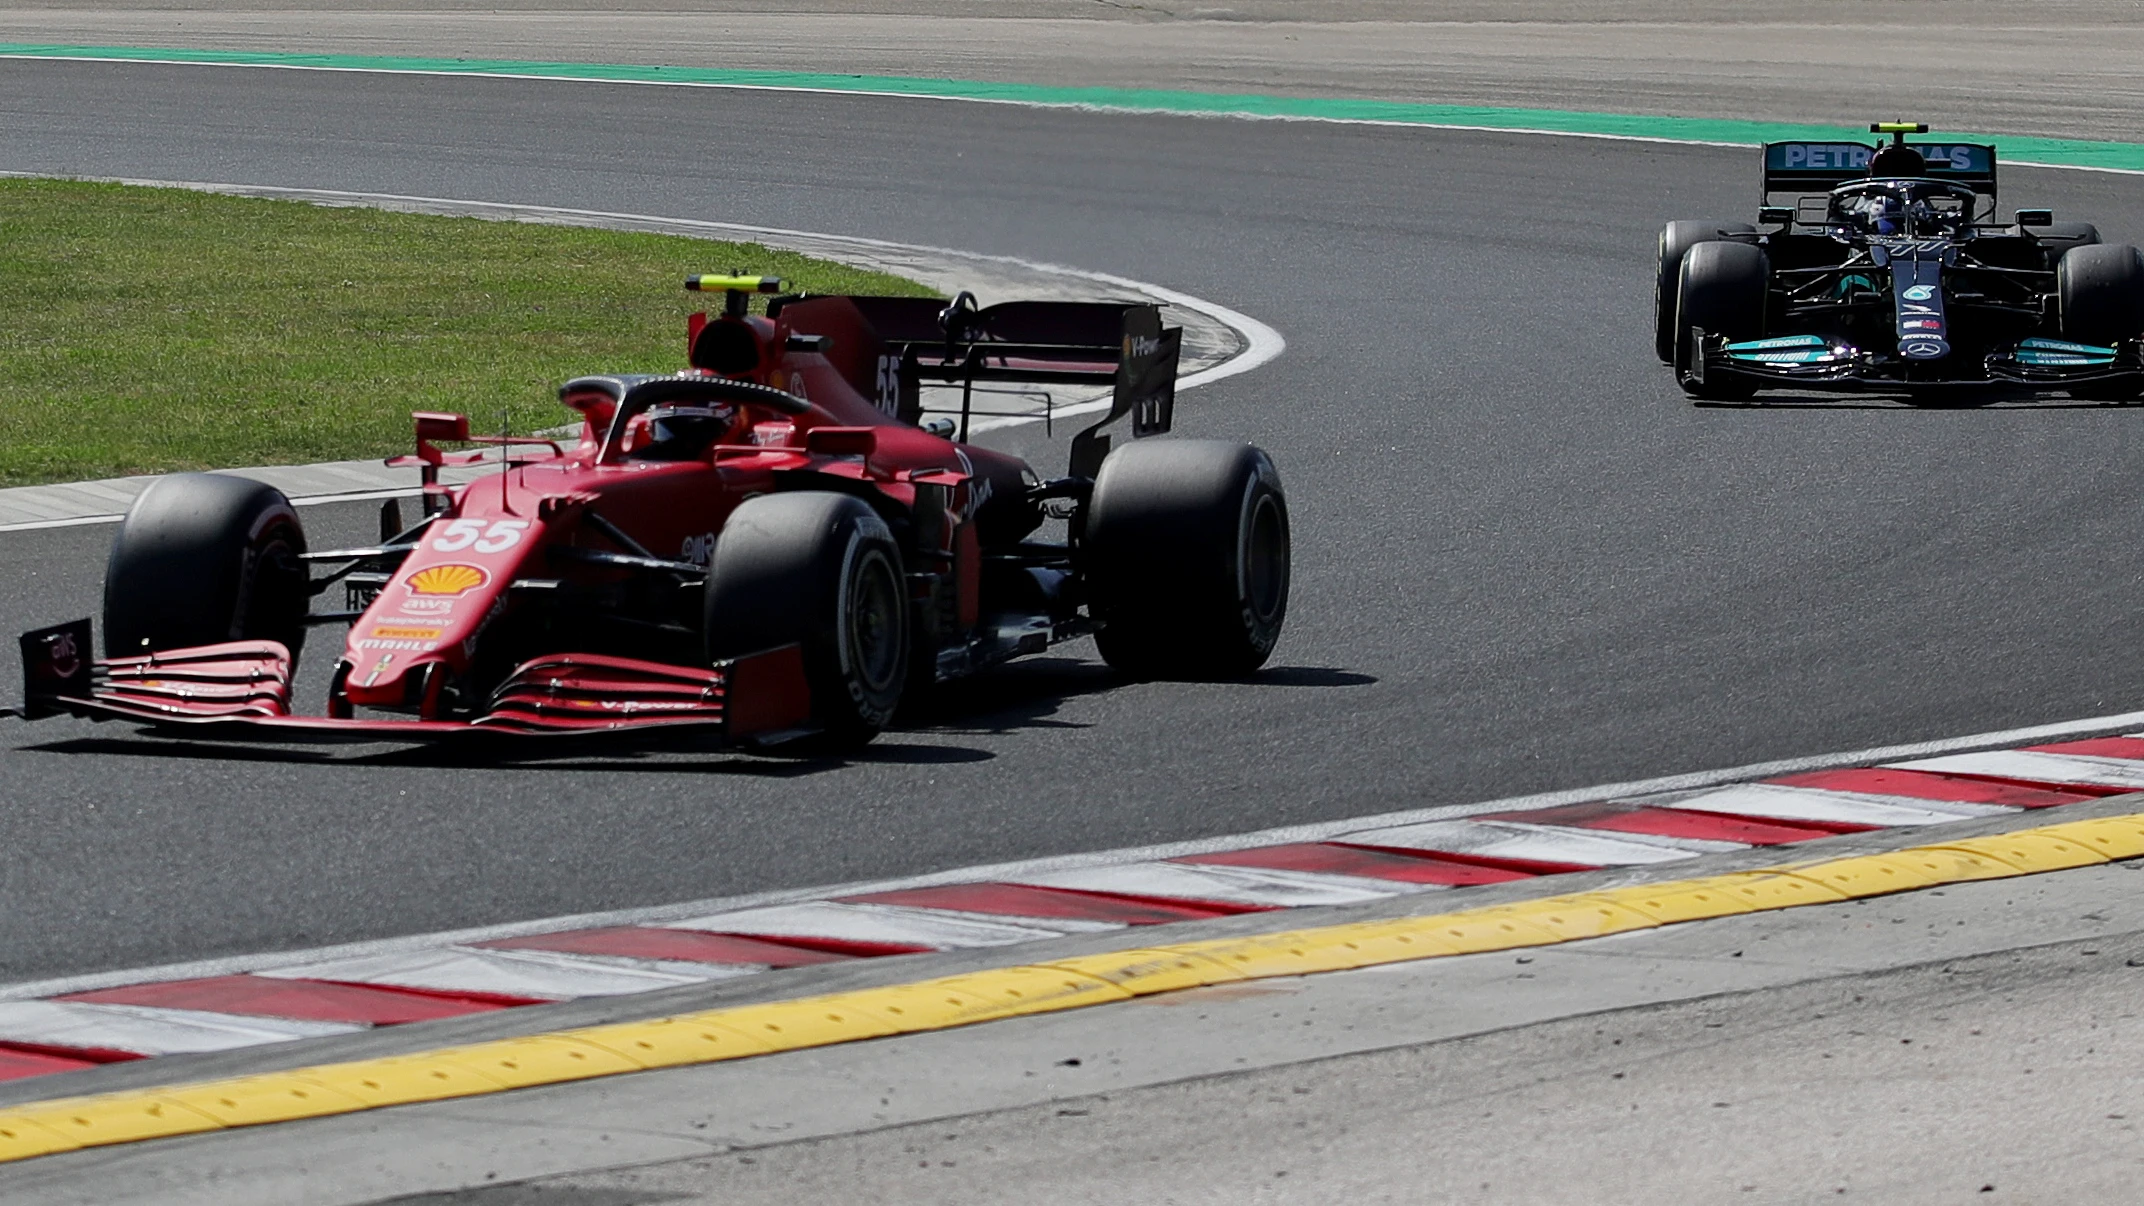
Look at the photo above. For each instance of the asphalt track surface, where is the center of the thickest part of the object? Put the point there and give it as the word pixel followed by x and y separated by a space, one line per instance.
pixel 1523 562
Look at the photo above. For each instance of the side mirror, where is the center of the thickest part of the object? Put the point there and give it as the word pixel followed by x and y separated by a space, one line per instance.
pixel 2036 217
pixel 432 425
pixel 841 441
pixel 1775 215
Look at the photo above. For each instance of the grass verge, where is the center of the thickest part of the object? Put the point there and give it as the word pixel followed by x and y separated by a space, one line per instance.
pixel 144 330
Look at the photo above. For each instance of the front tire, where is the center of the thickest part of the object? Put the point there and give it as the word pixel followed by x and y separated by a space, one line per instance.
pixel 1187 558
pixel 820 570
pixel 1677 238
pixel 205 558
pixel 1722 290
pixel 2100 289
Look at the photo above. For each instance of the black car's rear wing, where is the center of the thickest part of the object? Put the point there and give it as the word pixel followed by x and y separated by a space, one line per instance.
pixel 1815 167
pixel 888 347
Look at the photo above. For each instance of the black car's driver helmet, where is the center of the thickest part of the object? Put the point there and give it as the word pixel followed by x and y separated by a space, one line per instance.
pixel 1896 162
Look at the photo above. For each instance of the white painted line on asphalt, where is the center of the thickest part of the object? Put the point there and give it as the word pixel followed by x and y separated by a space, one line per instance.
pixel 309 500
pixel 146 1030
pixel 38 525
pixel 889 925
pixel 1634 790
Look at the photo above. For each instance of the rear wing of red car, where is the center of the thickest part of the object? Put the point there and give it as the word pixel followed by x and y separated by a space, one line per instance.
pixel 890 347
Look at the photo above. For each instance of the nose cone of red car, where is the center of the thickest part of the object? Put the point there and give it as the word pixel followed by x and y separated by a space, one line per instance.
pixel 431 611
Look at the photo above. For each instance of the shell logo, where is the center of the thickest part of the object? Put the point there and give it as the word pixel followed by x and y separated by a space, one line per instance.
pixel 453 578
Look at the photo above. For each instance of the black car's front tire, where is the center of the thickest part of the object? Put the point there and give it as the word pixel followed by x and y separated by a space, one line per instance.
pixel 1676 239
pixel 820 570
pixel 204 558
pixel 1722 290
pixel 2100 289
pixel 1185 545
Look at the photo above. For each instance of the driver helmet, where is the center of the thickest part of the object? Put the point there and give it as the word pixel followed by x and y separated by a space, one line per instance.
pixel 1896 162
pixel 687 424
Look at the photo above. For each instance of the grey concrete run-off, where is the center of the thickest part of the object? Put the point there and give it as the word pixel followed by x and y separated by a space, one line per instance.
pixel 1901 1049
pixel 2071 69
pixel 1207 342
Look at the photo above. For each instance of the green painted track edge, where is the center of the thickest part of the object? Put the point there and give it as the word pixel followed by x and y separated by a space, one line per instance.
pixel 2023 150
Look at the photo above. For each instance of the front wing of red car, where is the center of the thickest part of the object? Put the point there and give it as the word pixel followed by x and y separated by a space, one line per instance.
pixel 243 689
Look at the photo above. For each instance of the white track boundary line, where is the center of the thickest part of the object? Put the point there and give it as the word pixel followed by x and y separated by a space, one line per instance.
pixel 1261 343
pixel 1312 832
pixel 1014 102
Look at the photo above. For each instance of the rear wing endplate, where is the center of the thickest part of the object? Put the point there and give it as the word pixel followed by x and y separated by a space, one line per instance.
pixel 1815 167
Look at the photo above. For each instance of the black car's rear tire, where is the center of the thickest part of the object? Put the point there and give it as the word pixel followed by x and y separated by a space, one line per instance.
pixel 1676 238
pixel 2056 238
pixel 1185 546
pixel 820 570
pixel 204 558
pixel 1722 291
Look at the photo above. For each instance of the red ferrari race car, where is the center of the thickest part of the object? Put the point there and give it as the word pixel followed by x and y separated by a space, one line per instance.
pixel 780 541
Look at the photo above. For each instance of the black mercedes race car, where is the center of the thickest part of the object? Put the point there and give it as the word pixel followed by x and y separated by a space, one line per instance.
pixel 1891 273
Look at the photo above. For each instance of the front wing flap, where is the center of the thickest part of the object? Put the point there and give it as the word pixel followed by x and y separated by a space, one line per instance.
pixel 1817 362
pixel 243 689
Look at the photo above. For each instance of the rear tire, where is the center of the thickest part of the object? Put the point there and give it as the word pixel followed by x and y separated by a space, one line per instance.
pixel 2058 237
pixel 1186 553
pixel 820 570
pixel 1676 238
pixel 205 558
pixel 1722 290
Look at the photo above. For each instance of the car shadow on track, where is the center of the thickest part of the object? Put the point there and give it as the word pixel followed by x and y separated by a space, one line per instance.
pixel 639 756
pixel 1028 694
pixel 1893 402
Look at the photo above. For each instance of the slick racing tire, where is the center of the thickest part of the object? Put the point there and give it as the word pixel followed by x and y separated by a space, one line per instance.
pixel 2055 238
pixel 204 558
pixel 2100 290
pixel 1721 291
pixel 1677 238
pixel 820 570
pixel 1185 545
